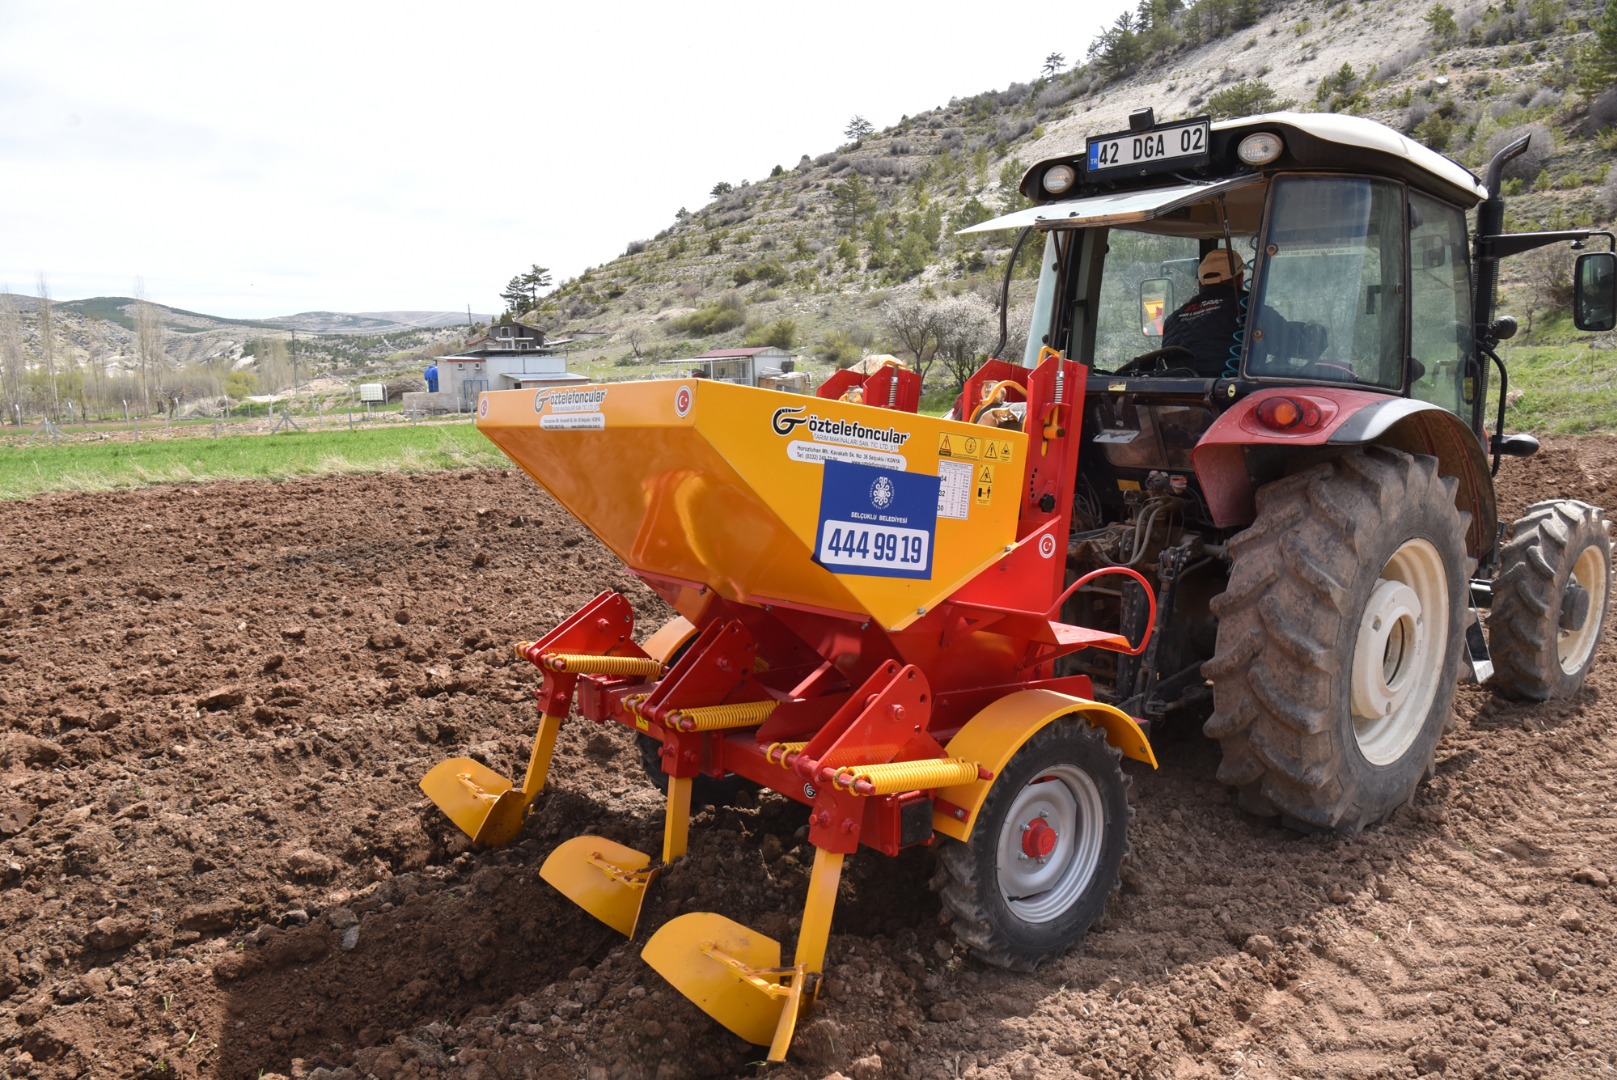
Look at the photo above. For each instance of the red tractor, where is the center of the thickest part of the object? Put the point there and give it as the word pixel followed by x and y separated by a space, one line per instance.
pixel 1307 481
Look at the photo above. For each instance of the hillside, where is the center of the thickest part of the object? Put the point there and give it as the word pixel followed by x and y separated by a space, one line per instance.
pixel 806 256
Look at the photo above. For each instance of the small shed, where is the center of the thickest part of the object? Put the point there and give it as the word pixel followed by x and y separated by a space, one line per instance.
pixel 743 366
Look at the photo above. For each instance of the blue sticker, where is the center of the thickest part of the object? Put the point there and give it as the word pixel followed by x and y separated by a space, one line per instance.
pixel 876 521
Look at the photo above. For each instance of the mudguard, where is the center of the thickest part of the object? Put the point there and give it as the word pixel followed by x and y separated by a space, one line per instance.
pixel 993 736
pixel 1230 472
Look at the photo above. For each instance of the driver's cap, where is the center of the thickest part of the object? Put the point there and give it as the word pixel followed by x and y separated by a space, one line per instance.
pixel 1220 265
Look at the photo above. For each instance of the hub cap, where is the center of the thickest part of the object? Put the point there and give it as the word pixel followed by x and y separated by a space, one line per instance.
pixel 1050 844
pixel 1399 653
pixel 1574 644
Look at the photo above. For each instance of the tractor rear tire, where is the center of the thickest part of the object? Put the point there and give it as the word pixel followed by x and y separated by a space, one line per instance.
pixel 1045 852
pixel 1339 640
pixel 1550 601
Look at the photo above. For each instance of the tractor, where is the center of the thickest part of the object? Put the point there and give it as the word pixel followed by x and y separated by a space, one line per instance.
pixel 949 632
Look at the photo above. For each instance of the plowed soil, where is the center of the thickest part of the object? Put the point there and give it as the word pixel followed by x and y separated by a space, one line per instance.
pixel 216 702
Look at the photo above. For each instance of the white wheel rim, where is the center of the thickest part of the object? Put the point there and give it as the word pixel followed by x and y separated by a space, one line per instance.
pixel 1572 647
pixel 1064 800
pixel 1399 654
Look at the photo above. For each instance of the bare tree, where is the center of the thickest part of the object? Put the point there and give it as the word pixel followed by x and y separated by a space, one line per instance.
pixel 1547 275
pixel 913 323
pixel 148 344
pixel 96 355
pixel 13 363
pixel 967 328
pixel 274 365
pixel 46 315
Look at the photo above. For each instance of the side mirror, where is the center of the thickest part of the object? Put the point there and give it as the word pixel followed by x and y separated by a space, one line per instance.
pixel 1594 291
pixel 1156 300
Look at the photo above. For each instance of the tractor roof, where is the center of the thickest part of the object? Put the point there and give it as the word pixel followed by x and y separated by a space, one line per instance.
pixel 1333 140
pixel 1311 142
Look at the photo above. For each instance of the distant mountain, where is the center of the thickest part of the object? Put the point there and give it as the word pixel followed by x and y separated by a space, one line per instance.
pixel 121 310
pixel 100 332
pixel 374 322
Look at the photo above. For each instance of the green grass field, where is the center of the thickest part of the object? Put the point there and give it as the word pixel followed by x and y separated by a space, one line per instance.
pixel 39 467
pixel 1565 390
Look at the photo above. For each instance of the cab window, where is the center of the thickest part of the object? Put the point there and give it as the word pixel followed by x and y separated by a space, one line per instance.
pixel 1439 302
pixel 1329 297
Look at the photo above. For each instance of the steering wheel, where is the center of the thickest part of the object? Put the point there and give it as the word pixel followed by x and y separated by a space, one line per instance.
pixel 1159 360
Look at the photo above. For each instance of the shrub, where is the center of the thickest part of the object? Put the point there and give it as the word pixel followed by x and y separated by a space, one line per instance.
pixel 782 334
pixel 1529 164
pixel 840 349
pixel 240 384
pixel 1242 99
pixel 635 247
pixel 727 314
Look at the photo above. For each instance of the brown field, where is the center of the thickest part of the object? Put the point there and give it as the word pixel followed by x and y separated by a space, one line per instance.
pixel 215 703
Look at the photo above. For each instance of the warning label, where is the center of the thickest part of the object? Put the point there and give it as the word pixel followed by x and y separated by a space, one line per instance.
pixel 975 448
pixel 985 484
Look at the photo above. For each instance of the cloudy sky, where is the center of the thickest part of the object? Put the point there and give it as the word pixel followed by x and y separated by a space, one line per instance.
pixel 250 160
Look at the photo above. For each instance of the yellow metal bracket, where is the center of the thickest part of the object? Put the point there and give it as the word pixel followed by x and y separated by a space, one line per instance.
pixel 485 805
pixel 734 974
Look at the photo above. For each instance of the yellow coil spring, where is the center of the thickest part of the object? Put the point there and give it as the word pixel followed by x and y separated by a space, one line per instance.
pixel 720 717
pixel 584 664
pixel 899 776
pixel 778 752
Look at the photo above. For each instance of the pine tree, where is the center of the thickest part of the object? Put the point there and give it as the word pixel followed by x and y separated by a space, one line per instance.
pixel 1597 60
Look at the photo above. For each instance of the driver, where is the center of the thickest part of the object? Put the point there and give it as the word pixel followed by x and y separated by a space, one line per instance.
pixel 1207 323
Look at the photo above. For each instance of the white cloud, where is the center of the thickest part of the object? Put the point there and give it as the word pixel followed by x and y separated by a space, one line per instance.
pixel 260 160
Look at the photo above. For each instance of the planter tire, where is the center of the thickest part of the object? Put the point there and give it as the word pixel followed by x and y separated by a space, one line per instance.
pixel 1045 852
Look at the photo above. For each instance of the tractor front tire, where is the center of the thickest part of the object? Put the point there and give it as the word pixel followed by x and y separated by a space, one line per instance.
pixel 1550 600
pixel 1339 640
pixel 1045 851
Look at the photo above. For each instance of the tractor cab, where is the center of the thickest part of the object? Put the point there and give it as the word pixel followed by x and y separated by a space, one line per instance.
pixel 1349 246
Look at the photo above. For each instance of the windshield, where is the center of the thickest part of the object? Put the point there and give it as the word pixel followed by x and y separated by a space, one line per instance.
pixel 1148 279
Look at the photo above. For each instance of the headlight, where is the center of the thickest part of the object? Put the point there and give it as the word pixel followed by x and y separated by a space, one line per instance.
pixel 1059 179
pixel 1259 149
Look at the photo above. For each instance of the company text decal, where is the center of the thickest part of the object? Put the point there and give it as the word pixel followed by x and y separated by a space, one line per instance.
pixel 789 418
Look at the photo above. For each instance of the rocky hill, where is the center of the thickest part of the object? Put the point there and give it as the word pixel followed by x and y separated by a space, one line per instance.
pixel 806 256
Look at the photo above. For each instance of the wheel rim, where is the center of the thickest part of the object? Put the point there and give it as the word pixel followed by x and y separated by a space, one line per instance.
pixel 1572 647
pixel 1050 844
pixel 1399 655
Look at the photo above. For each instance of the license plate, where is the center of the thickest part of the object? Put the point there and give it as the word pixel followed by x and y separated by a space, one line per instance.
pixel 1158 150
